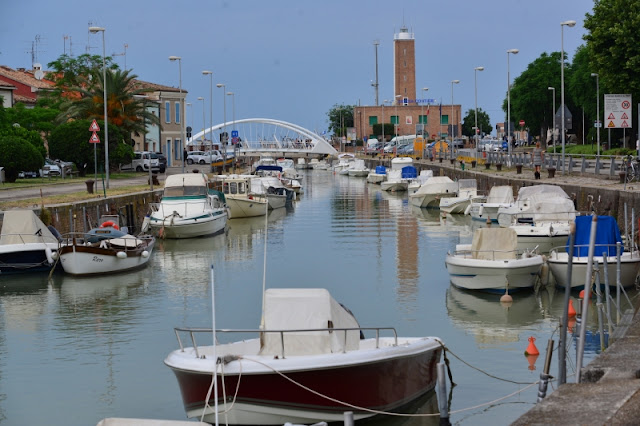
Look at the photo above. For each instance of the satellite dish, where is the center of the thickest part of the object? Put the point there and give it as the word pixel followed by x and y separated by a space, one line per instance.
pixel 38 74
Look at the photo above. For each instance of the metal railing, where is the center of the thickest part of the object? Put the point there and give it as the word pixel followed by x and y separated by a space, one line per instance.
pixel 193 331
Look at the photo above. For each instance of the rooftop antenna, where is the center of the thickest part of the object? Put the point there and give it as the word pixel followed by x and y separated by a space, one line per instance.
pixel 65 38
pixel 89 47
pixel 376 43
pixel 126 46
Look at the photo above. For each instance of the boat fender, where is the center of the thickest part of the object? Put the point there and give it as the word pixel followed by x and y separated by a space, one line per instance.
pixel 109 224
pixel 145 254
pixel 467 210
pixel 55 255
pixel 121 255
pixel 480 211
pixel 49 254
pixel 145 223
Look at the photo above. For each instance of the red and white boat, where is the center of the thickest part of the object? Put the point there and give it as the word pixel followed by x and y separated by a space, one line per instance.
pixel 310 363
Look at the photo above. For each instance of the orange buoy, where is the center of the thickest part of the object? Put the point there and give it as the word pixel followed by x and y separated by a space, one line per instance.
pixel 572 311
pixel 581 296
pixel 572 324
pixel 532 361
pixel 532 350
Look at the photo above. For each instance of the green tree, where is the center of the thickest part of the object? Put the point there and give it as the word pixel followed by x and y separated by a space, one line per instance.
pixel 70 141
pixel 18 154
pixel 40 118
pixel 67 71
pixel 613 45
pixel 340 117
pixel 389 128
pixel 469 122
pixel 531 100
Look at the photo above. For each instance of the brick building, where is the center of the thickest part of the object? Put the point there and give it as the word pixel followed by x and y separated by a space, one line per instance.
pixel 408 112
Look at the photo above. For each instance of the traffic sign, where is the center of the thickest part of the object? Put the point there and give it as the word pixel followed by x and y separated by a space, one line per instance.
pixel 521 123
pixel 94 138
pixel 94 126
pixel 616 109
pixel 234 133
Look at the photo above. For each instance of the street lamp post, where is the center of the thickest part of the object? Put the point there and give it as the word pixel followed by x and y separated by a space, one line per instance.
pixel 204 125
pixel 452 119
pixel 397 126
pixel 422 121
pixel 383 141
pixel 514 52
pixel 553 134
pixel 210 74
pixel 562 25
pixel 597 109
pixel 475 75
pixel 223 141
pixel 94 30
pixel 182 131
pixel 233 125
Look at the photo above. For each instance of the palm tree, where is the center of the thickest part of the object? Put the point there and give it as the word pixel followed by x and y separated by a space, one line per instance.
pixel 125 101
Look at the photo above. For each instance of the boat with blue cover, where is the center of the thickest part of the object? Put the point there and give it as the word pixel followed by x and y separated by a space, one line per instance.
pixel 378 175
pixel 607 240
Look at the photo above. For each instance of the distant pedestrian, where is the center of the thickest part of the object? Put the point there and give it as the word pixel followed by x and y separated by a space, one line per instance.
pixel 537 156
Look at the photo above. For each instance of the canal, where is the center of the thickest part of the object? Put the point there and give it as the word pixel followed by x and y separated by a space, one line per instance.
pixel 77 350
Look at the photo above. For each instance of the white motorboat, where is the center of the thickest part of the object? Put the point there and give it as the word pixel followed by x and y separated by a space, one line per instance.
pixel 432 191
pixel 26 243
pixel 416 183
pixel 272 188
pixel 537 203
pixel 319 164
pixel 499 196
pixel 288 168
pixel 542 235
pixel 344 161
pixel 188 208
pixel 302 164
pixel 493 263
pixel 358 169
pixel 292 184
pixel 264 160
pixel 607 237
pixel 104 250
pixel 395 181
pixel 378 175
pixel 306 338
pixel 467 194
pixel 237 193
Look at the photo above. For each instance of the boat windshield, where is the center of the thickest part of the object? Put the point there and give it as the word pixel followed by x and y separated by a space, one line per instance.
pixel 185 191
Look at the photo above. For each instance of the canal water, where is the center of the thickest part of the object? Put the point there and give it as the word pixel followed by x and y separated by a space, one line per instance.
pixel 77 350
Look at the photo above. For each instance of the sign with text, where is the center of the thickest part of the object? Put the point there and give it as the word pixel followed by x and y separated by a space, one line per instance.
pixel 617 111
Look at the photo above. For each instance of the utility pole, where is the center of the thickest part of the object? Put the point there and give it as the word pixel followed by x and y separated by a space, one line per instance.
pixel 376 43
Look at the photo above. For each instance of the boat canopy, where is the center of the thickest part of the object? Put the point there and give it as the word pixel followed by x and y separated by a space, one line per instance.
pixel 467 184
pixel 381 170
pixel 22 227
pixel 399 163
pixel 607 235
pixel 500 194
pixel 494 243
pixel 547 203
pixel 269 168
pixel 409 172
pixel 299 309
pixel 424 175
pixel 438 184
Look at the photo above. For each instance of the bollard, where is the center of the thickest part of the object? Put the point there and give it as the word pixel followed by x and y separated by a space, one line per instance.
pixel 348 418
pixel 544 376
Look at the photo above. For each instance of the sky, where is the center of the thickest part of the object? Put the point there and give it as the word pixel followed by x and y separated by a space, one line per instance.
pixel 294 60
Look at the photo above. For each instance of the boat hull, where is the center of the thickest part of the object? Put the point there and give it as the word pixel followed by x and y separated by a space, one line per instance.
pixel 428 200
pixel 394 186
pixel 629 268
pixel 376 178
pixel 381 379
pixel 484 212
pixel 493 275
pixel 79 259
pixel 206 225
pixel 28 257
pixel 245 207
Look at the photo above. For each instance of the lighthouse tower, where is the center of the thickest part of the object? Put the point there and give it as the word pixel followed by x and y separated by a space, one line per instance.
pixel 404 66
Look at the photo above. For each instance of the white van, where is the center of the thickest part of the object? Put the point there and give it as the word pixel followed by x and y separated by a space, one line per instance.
pixel 373 144
pixel 399 141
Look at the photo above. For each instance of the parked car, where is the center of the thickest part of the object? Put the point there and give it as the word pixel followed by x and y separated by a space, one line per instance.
pixel 458 143
pixel 193 156
pixel 405 149
pixel 162 159
pixel 204 158
pixel 23 175
pixel 55 168
pixel 140 162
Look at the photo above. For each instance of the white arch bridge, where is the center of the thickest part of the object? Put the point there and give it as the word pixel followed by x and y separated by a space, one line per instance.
pixel 264 135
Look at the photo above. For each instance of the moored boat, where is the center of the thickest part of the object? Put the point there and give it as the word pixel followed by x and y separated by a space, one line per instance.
pixel 492 263
pixel 237 193
pixel 487 209
pixel 306 339
pixel 188 208
pixel 467 193
pixel 432 191
pixel 378 175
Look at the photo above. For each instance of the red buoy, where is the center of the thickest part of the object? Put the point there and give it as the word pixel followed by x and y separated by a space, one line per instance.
pixel 531 349
pixel 571 311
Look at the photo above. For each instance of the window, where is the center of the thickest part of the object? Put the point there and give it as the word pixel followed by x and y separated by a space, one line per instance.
pixel 177 112
pixel 394 119
pixel 445 119
pixel 404 51
pixel 167 112
pixel 423 119
pixel 405 64
pixel 373 119
pixel 177 149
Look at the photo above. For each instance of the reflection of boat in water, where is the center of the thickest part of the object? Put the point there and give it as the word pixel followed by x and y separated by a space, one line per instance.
pixel 487 319
pixel 80 290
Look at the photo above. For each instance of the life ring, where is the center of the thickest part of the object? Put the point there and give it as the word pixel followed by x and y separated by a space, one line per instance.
pixel 109 224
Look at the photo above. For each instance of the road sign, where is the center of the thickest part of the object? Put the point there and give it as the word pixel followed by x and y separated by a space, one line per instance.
pixel 597 123
pixel 94 138
pixel 94 127
pixel 234 133
pixel 617 110
pixel 521 123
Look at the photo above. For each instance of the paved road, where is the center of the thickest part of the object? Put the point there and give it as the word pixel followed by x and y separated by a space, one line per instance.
pixel 60 187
